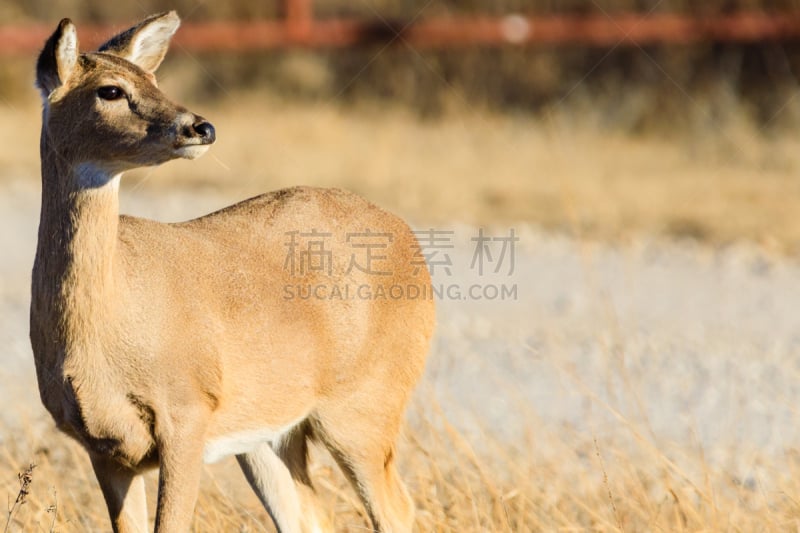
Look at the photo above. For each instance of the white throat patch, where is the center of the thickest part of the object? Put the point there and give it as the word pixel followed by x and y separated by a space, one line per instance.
pixel 92 176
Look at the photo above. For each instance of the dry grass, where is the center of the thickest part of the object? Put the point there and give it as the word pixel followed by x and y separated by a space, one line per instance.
pixel 565 173
pixel 553 480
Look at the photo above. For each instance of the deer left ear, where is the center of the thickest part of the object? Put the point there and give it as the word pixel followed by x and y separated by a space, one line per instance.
pixel 145 44
pixel 58 58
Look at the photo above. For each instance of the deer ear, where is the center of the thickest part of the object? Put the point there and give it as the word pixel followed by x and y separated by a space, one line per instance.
pixel 145 44
pixel 58 58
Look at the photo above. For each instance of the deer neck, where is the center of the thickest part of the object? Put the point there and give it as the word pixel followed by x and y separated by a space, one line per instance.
pixel 73 275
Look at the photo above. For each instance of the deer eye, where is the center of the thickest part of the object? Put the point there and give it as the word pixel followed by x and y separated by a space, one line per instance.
pixel 110 92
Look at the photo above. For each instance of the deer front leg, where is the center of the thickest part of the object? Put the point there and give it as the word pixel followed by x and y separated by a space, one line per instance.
pixel 180 446
pixel 124 493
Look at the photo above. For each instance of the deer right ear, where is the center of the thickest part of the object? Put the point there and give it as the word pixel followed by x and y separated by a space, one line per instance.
pixel 58 58
pixel 145 45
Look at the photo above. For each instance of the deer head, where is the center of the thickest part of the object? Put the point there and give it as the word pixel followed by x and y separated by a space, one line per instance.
pixel 104 109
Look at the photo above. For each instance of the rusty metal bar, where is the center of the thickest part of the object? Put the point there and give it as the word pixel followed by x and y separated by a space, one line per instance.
pixel 298 17
pixel 299 29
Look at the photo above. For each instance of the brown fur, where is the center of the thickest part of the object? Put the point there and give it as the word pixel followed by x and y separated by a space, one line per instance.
pixel 152 339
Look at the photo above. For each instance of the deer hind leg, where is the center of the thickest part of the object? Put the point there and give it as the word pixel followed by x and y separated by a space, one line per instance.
pixel 124 493
pixel 363 447
pixel 279 476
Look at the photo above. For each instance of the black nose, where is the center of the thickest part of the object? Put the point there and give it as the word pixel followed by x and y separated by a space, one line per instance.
pixel 205 130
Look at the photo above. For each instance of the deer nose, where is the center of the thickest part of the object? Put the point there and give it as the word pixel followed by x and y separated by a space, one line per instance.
pixel 205 130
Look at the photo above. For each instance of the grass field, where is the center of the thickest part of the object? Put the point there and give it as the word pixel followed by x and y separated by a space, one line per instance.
pixel 595 452
pixel 553 479
pixel 593 485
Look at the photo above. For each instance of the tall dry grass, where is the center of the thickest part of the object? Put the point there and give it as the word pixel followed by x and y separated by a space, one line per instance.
pixel 553 479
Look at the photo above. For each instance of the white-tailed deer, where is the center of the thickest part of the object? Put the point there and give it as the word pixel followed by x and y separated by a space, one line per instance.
pixel 173 344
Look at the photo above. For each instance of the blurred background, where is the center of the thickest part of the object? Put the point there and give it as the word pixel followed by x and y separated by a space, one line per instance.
pixel 748 81
pixel 581 128
pixel 644 374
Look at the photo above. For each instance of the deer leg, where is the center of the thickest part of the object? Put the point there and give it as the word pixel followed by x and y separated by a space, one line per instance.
pixel 124 493
pixel 180 448
pixel 290 503
pixel 364 449
pixel 272 482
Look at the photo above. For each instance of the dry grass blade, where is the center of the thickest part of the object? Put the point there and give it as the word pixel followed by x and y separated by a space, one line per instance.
pixel 25 479
pixel 607 485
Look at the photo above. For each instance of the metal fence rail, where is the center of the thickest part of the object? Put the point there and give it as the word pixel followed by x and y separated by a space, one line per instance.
pixel 299 28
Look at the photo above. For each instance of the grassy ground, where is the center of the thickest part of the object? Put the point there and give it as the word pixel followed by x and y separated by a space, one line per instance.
pixel 565 174
pixel 579 484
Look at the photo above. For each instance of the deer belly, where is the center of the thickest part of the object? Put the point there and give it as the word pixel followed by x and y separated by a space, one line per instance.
pixel 242 442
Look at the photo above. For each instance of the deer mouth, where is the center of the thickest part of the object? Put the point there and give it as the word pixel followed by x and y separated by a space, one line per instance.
pixel 192 151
